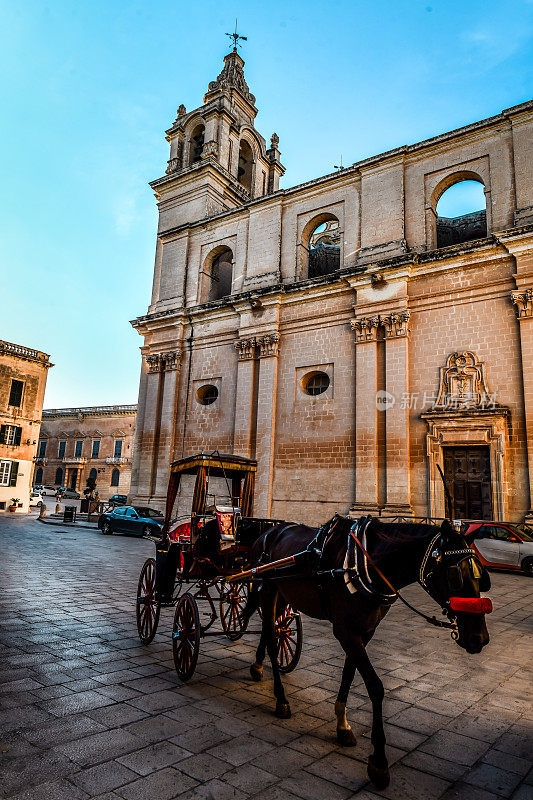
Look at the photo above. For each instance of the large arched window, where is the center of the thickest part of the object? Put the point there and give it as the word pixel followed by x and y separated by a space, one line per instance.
pixel 196 144
pixel 38 476
pixel 460 212
pixel 115 477
pixel 59 477
pixel 218 275
pixel 246 162
pixel 320 246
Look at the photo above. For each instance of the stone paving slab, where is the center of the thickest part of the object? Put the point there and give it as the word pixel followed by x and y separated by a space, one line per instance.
pixel 87 712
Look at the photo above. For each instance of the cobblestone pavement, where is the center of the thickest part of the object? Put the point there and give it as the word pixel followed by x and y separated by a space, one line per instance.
pixel 86 711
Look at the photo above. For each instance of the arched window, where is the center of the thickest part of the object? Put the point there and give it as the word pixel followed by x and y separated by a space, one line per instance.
pixel 115 477
pixel 93 474
pixel 246 161
pixel 461 213
pixel 218 273
pixel 38 475
pixel 59 477
pixel 196 144
pixel 321 246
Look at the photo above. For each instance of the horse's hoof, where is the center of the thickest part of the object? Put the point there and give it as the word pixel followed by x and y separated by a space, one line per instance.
pixel 256 673
pixel 283 711
pixel 345 737
pixel 380 777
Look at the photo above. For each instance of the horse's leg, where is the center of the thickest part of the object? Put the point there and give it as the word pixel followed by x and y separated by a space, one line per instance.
pixel 269 608
pixel 345 735
pixel 378 768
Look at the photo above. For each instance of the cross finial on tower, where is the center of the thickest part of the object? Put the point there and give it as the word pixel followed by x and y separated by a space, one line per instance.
pixel 236 36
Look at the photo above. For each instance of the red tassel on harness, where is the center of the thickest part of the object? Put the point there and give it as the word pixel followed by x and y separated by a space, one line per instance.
pixel 471 605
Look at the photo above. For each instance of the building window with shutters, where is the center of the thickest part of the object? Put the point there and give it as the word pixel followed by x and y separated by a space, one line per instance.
pixel 15 395
pixel 78 448
pixel 10 435
pixel 5 471
pixel 62 448
pixel 41 453
pixel 95 453
pixel 118 448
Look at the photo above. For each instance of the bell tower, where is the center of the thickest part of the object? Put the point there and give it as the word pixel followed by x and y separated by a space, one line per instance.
pixel 218 160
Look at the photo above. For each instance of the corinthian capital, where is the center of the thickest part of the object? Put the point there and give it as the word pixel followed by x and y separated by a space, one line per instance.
pixel 365 329
pixel 523 302
pixel 395 324
pixel 245 348
pixel 268 345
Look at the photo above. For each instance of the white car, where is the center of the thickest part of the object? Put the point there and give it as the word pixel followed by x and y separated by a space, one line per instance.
pixel 36 499
pixel 503 544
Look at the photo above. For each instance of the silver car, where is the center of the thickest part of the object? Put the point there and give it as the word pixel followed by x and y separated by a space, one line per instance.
pixel 503 544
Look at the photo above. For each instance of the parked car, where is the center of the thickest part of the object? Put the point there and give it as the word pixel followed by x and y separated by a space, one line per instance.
pixel 38 488
pixel 70 494
pixel 36 499
pixel 48 490
pixel 137 520
pixel 503 544
pixel 118 500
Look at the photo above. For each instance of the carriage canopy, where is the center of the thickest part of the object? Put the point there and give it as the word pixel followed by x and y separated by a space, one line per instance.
pixel 237 470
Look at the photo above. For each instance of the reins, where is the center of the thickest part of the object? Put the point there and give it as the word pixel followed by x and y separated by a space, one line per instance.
pixel 432 620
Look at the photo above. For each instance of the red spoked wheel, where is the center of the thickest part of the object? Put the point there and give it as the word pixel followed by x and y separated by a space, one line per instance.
pixel 186 636
pixel 233 599
pixel 288 639
pixel 147 607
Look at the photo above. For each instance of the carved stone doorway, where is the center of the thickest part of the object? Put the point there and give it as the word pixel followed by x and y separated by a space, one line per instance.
pixel 468 476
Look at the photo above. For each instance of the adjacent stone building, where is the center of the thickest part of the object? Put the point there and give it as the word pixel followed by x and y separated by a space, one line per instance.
pixel 351 366
pixel 78 443
pixel 23 374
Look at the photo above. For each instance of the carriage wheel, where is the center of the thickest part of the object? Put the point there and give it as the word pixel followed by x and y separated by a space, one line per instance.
pixel 186 636
pixel 147 608
pixel 233 599
pixel 288 637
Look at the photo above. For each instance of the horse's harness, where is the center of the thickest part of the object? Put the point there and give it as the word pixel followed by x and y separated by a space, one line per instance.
pixel 357 576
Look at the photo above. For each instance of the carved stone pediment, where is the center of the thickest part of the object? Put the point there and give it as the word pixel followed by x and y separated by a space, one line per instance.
pixel 463 384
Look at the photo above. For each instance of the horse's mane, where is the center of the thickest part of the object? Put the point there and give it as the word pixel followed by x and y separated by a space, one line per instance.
pixel 386 536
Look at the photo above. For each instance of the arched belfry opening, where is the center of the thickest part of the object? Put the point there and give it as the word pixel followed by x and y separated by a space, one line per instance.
pixel 246 162
pixel 461 212
pixel 217 275
pixel 196 144
pixel 321 246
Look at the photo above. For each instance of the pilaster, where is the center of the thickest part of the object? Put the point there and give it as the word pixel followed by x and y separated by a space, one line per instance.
pixel 267 351
pixel 523 301
pixel 366 437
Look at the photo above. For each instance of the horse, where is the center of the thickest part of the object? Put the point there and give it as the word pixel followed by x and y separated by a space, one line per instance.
pixel 385 557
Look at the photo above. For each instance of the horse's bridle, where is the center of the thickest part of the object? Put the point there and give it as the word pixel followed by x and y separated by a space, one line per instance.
pixel 449 609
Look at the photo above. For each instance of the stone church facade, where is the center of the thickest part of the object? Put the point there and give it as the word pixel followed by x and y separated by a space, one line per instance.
pixel 341 332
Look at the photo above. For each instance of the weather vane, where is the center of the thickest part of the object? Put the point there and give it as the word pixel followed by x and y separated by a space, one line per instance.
pixel 236 36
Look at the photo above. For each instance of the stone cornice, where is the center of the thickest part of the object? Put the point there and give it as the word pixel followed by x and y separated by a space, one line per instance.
pixel 90 411
pixel 25 353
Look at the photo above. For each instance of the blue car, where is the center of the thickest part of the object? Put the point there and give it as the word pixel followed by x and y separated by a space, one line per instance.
pixel 135 520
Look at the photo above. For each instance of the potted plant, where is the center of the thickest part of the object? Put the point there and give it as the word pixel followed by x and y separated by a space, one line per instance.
pixel 14 503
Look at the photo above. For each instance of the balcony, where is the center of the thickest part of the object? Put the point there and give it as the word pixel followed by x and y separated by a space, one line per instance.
pixel 41 460
pixel 74 461
pixel 115 460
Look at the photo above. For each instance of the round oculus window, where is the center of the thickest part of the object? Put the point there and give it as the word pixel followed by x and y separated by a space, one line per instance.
pixel 206 395
pixel 315 383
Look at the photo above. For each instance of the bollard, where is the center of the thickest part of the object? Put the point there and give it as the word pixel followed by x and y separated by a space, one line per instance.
pixel 58 508
pixel 42 510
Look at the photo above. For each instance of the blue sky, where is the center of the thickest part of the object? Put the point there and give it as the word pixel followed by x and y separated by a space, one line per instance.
pixel 88 89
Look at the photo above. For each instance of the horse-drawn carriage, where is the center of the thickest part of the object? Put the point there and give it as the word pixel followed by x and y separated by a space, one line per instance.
pixel 200 551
